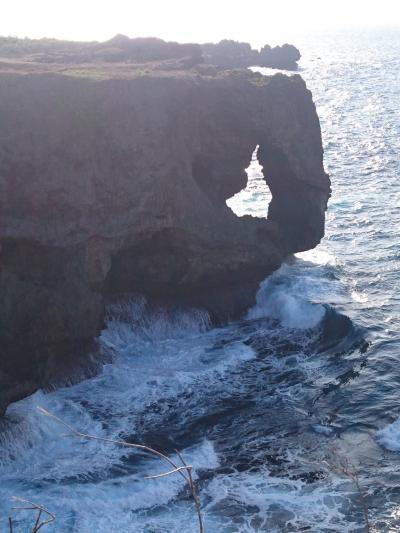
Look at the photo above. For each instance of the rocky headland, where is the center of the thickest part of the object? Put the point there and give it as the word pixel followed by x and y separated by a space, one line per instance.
pixel 233 54
pixel 114 177
pixel 226 54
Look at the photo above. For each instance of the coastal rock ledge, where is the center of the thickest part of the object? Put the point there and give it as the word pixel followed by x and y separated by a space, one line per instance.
pixel 114 180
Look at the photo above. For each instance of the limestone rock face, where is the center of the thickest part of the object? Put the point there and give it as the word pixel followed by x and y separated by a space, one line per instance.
pixel 117 183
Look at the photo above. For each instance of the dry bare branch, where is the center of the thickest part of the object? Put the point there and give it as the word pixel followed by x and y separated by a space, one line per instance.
pixel 77 433
pixel 345 468
pixel 184 471
pixel 168 473
pixel 33 507
pixel 194 493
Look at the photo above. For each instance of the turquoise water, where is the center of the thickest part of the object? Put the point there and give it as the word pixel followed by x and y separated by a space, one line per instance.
pixel 269 410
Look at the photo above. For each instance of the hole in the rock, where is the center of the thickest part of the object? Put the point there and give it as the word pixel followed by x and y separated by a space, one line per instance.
pixel 254 199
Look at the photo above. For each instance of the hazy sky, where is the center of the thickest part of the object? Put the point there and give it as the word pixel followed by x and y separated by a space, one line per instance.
pixel 202 20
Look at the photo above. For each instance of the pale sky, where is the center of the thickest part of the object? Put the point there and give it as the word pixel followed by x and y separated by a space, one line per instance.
pixel 256 21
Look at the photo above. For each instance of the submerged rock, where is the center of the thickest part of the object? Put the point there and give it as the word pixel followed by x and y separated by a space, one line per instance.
pixel 114 179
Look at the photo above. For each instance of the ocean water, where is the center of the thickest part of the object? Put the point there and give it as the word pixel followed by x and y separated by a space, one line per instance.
pixel 278 413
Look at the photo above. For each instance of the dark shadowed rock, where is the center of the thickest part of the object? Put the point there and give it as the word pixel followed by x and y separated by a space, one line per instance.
pixel 229 54
pixel 282 57
pixel 114 180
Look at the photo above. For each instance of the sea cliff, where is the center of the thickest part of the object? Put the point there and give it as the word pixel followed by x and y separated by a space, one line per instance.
pixel 114 180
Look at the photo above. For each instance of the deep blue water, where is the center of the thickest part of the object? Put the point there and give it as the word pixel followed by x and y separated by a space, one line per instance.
pixel 270 408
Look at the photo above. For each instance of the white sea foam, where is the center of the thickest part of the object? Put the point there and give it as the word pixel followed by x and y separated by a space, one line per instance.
pixel 266 71
pixel 279 504
pixel 318 256
pixel 163 364
pixel 88 484
pixel 389 436
pixel 328 431
pixel 151 366
pixel 359 297
pixel 283 297
pixel 121 503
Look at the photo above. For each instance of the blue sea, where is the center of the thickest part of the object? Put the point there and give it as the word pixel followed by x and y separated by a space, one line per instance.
pixel 289 417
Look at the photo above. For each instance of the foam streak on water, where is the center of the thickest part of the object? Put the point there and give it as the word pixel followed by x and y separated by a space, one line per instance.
pixel 265 409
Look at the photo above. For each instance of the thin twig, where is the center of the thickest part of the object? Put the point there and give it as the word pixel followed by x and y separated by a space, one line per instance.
pixel 185 471
pixel 35 527
pixel 10 525
pixel 345 468
pixel 194 493
pixel 168 473
pixel 111 441
pixel 39 508
pixel 23 508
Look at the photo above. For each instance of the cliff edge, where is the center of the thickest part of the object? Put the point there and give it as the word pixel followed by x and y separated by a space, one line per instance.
pixel 113 180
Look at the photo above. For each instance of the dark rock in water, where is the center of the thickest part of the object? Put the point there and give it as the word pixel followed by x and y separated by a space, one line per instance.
pixel 283 57
pixel 113 179
pixel 234 54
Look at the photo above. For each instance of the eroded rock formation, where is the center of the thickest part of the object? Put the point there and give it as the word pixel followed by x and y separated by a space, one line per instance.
pixel 114 180
pixel 234 54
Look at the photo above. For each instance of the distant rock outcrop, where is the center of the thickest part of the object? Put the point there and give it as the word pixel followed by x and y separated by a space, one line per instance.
pixel 113 180
pixel 233 54
pixel 119 49
pixel 282 57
